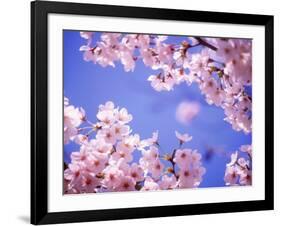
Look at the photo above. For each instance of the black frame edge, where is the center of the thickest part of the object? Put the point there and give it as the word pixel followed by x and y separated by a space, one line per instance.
pixel 39 119
pixel 150 212
pixel 269 112
pixel 154 13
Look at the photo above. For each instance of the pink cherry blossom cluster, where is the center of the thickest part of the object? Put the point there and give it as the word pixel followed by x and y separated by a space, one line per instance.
pixel 222 68
pixel 73 117
pixel 106 160
pixel 239 170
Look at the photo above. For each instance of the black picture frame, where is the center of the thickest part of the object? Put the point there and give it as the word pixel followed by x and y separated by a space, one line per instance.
pixel 39 112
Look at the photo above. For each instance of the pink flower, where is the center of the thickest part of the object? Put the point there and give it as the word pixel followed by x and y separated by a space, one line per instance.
pixel 199 62
pixel 246 177
pixel 108 106
pixel 86 35
pixel 123 146
pixel 99 145
pixel 121 130
pixel 101 165
pixel 151 154
pixel 186 179
pixel 209 86
pixel 168 182
pixel 149 57
pixel 234 157
pixel 81 139
pixel 104 55
pixel 165 52
pixel 127 59
pixel 73 174
pixel 96 162
pixel 110 39
pixel 106 118
pixel 150 141
pixel 87 50
pixel 244 103
pixel 143 41
pixel 216 97
pixel 196 158
pixel 242 162
pixel 183 137
pixel 150 185
pixel 126 184
pixel 80 156
pixel 164 81
pixel 89 183
pixel 136 172
pixel 108 134
pixel 132 141
pixel 155 168
pixel 122 165
pixel 181 56
pixel 183 158
pixel 122 152
pixel 73 117
pixel 239 167
pixel 112 175
pixel 187 111
pixel 123 116
pixel 221 74
pixel 181 76
pixel 247 149
pixel 198 173
pixel 231 175
pixel 69 134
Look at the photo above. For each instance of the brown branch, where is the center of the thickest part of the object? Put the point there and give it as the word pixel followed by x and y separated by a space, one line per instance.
pixel 204 43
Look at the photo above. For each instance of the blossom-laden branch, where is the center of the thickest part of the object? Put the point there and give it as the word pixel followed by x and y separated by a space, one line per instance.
pixel 222 68
pixel 239 169
pixel 106 160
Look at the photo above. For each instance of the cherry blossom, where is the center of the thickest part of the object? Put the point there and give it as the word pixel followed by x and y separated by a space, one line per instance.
pixel 168 182
pixel 245 177
pixel 96 162
pixel 105 161
pixel 247 149
pixel 183 137
pixel 136 172
pixel 149 141
pixel 127 183
pixel 231 175
pixel 123 117
pixel 111 178
pixel 150 185
pixel 86 34
pixel 73 117
pixel 124 153
pixel 239 169
pixel 108 134
pixel 222 68
pixel 162 82
pixel 155 168
pixel 183 157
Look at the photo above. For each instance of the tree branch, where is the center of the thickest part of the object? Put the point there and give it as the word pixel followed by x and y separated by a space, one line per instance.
pixel 204 43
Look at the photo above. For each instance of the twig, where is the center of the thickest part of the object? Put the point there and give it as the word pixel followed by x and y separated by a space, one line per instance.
pixel 204 43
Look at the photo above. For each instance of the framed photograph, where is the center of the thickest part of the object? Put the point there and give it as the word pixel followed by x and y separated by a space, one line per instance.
pixel 144 112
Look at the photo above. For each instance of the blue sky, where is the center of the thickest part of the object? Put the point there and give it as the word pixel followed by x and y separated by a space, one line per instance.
pixel 88 85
